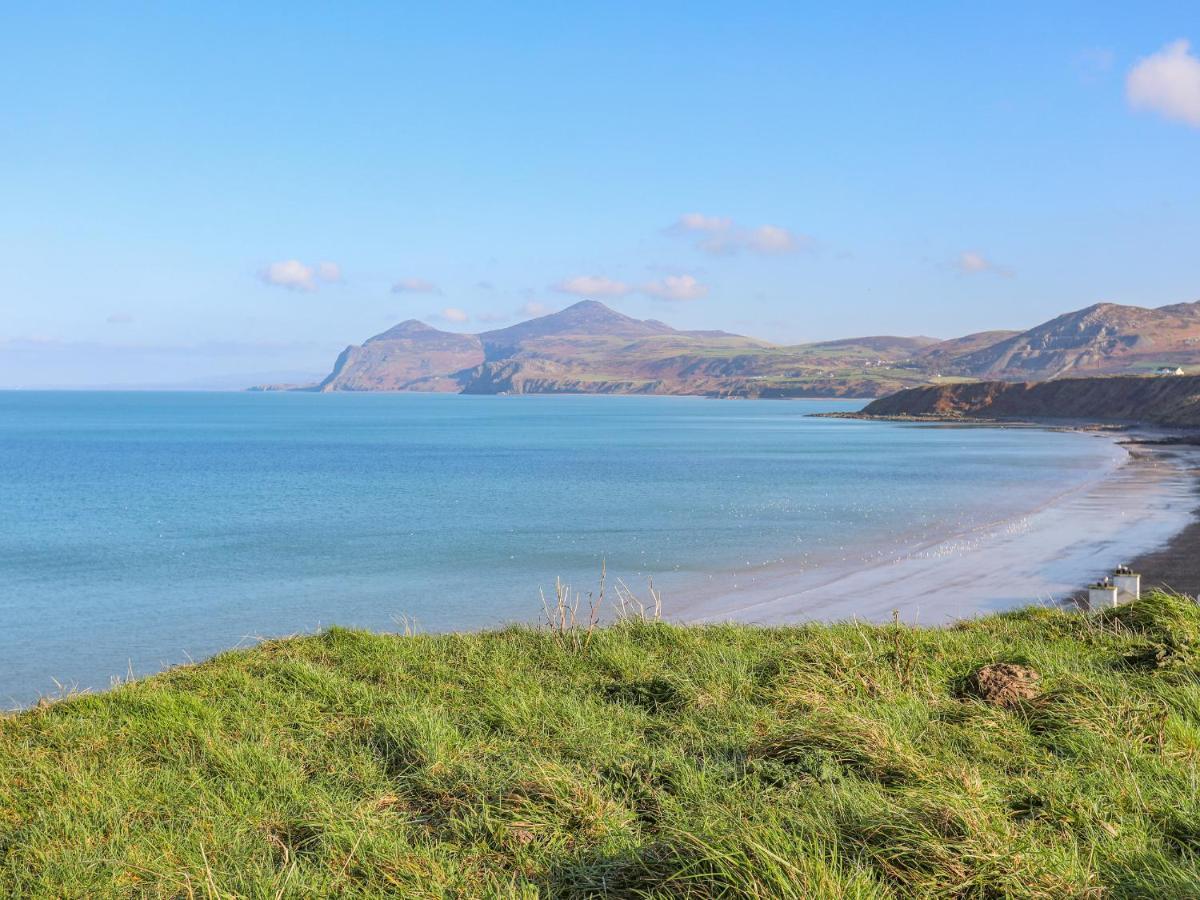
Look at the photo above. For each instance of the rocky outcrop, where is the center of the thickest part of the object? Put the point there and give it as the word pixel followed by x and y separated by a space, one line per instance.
pixel 1172 400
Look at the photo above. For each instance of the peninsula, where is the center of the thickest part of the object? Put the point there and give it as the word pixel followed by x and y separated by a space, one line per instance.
pixel 589 348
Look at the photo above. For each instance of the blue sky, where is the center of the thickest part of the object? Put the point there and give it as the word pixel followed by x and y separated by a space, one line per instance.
pixel 190 193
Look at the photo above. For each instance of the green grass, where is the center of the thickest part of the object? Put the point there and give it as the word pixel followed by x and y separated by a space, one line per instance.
pixel 651 760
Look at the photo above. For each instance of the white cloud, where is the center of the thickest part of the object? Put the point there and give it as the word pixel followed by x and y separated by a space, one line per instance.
pixel 119 319
pixel 693 222
pixel 297 276
pixel 773 239
pixel 453 314
pixel 291 274
pixel 676 287
pixel 719 236
pixel 415 286
pixel 533 308
pixel 592 286
pixel 972 262
pixel 1168 83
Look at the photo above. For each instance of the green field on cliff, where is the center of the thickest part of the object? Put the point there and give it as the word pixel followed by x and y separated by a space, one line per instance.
pixel 642 760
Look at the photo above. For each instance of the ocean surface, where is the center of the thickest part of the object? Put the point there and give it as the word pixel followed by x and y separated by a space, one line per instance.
pixel 139 530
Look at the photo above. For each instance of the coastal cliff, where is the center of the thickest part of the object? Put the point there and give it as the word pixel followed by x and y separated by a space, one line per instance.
pixel 1167 400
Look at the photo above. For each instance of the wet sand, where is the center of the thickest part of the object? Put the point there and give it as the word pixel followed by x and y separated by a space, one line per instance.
pixel 1176 565
pixel 1143 513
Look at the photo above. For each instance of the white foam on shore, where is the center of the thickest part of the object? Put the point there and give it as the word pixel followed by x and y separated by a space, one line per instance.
pixel 1042 557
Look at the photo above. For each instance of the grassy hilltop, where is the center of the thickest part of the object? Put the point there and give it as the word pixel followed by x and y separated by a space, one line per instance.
pixel 644 760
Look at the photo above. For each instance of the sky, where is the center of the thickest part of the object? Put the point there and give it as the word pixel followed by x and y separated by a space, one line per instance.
pixel 209 194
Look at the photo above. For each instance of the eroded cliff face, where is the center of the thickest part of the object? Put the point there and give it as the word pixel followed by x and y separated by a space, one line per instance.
pixel 1172 400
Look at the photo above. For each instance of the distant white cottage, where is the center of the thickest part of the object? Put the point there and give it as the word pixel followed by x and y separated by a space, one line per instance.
pixel 1168 370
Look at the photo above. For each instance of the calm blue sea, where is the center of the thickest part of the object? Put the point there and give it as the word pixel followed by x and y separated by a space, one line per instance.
pixel 140 529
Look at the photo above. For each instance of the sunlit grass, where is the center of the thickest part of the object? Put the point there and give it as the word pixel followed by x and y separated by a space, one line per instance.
pixel 647 760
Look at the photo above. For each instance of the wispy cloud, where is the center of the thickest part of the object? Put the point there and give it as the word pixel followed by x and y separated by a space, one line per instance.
pixel 453 314
pixel 1168 83
pixel 297 276
pixel 529 310
pixel 119 319
pixel 721 236
pixel 415 286
pixel 669 287
pixel 676 287
pixel 592 286
pixel 690 223
pixel 972 262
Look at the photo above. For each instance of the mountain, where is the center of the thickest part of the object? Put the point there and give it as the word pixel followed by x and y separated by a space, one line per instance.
pixel 1099 340
pixel 590 348
pixel 588 317
pixel 1161 401
pixel 944 353
pixel 412 356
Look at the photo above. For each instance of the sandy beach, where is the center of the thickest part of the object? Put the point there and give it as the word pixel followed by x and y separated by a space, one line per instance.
pixel 1176 564
pixel 1143 512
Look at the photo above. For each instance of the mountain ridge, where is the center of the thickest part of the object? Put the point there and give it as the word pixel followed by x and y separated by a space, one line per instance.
pixel 590 348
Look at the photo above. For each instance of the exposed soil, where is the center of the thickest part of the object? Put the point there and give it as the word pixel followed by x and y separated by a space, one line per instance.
pixel 1005 684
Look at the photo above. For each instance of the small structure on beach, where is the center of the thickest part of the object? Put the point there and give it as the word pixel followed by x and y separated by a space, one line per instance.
pixel 1123 586
pixel 1169 370
pixel 1128 584
pixel 1102 594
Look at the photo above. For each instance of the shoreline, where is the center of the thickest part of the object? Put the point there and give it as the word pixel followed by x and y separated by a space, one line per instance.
pixel 1144 512
pixel 1175 565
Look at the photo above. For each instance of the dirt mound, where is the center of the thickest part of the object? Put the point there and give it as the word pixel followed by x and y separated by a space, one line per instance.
pixel 1005 684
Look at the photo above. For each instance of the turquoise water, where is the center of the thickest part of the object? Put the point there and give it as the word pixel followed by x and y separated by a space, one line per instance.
pixel 141 529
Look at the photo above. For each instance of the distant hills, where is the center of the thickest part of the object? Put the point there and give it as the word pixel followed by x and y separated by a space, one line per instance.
pixel 1101 339
pixel 590 348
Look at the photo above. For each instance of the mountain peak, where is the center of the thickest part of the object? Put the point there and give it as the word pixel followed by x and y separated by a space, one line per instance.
pixel 407 328
pixel 587 317
pixel 593 312
pixel 590 304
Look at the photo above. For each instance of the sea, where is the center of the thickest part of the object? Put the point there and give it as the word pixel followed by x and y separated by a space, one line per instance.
pixel 140 530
